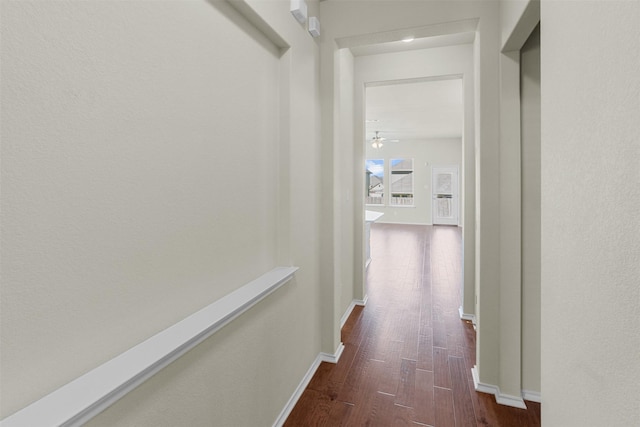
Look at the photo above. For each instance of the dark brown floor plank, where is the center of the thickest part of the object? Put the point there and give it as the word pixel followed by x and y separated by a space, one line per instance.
pixel 402 416
pixel 462 404
pixel 339 415
pixel 354 318
pixel 386 379
pixel 425 350
pixel 321 378
pixel 356 379
pixel 382 413
pixel 442 376
pixel 412 335
pixel 362 410
pixel 439 334
pixel 312 409
pixel 443 398
pixel 387 371
pixel 407 387
pixel 424 409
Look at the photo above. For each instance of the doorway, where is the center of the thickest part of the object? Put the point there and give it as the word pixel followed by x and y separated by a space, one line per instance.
pixel 377 74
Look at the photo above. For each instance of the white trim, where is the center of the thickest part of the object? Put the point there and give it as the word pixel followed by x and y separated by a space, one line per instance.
pixel 404 223
pixel 465 316
pixel 372 216
pixel 321 357
pixel 532 396
pixel 286 411
pixel 484 388
pixel 362 302
pixel 502 399
pixel 523 29
pixel 332 358
pixel 85 397
pixel 508 400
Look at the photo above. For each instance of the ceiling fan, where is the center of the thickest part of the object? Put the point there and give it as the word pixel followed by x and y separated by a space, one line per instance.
pixel 377 141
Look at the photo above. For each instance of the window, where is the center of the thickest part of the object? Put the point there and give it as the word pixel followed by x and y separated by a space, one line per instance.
pixel 402 182
pixel 374 182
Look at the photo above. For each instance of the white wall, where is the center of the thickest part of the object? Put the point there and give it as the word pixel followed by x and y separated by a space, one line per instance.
pixel 489 341
pixel 590 209
pixel 425 154
pixel 344 187
pixel 530 123
pixel 121 125
pixel 519 131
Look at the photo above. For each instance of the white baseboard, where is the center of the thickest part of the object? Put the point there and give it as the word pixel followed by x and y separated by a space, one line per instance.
pixel 501 398
pixel 353 304
pixel 284 414
pixel 362 302
pixel 321 357
pixel 508 400
pixel 332 358
pixel 478 385
pixel 532 396
pixel 465 316
pixel 347 313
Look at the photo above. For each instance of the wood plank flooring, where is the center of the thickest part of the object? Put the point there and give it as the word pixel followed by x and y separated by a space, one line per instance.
pixel 408 357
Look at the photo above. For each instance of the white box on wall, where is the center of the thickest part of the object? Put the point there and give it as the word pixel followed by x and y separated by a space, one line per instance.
pixel 314 26
pixel 299 10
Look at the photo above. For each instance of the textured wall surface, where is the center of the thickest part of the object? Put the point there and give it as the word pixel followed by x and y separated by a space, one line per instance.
pixel 140 151
pixel 530 113
pixel 345 189
pixel 590 210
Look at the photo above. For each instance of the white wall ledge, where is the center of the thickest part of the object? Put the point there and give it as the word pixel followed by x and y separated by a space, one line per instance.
pixel 83 398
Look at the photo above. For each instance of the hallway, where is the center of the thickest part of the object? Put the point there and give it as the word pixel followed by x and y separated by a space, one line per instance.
pixel 408 356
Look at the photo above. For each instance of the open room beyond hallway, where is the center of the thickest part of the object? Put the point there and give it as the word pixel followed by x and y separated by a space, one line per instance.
pixel 408 355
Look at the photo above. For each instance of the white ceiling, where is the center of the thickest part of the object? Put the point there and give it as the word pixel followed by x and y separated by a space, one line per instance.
pixel 415 110
pixel 416 44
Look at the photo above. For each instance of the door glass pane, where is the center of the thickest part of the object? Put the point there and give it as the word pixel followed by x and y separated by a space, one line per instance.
pixel 444 207
pixel 443 184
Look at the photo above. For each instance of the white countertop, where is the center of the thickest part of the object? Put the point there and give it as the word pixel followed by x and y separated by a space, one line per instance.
pixel 372 216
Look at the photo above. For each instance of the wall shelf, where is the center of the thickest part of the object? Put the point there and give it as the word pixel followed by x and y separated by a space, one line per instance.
pixel 83 398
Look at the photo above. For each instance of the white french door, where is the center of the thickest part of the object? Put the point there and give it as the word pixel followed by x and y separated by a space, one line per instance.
pixel 444 187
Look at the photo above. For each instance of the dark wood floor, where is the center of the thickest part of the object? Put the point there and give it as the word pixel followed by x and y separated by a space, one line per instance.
pixel 408 356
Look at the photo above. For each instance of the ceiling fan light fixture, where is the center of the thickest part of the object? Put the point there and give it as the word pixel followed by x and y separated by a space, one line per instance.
pixel 376 142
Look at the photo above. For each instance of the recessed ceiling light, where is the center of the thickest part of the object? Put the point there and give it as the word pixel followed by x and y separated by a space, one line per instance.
pixel 408 39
